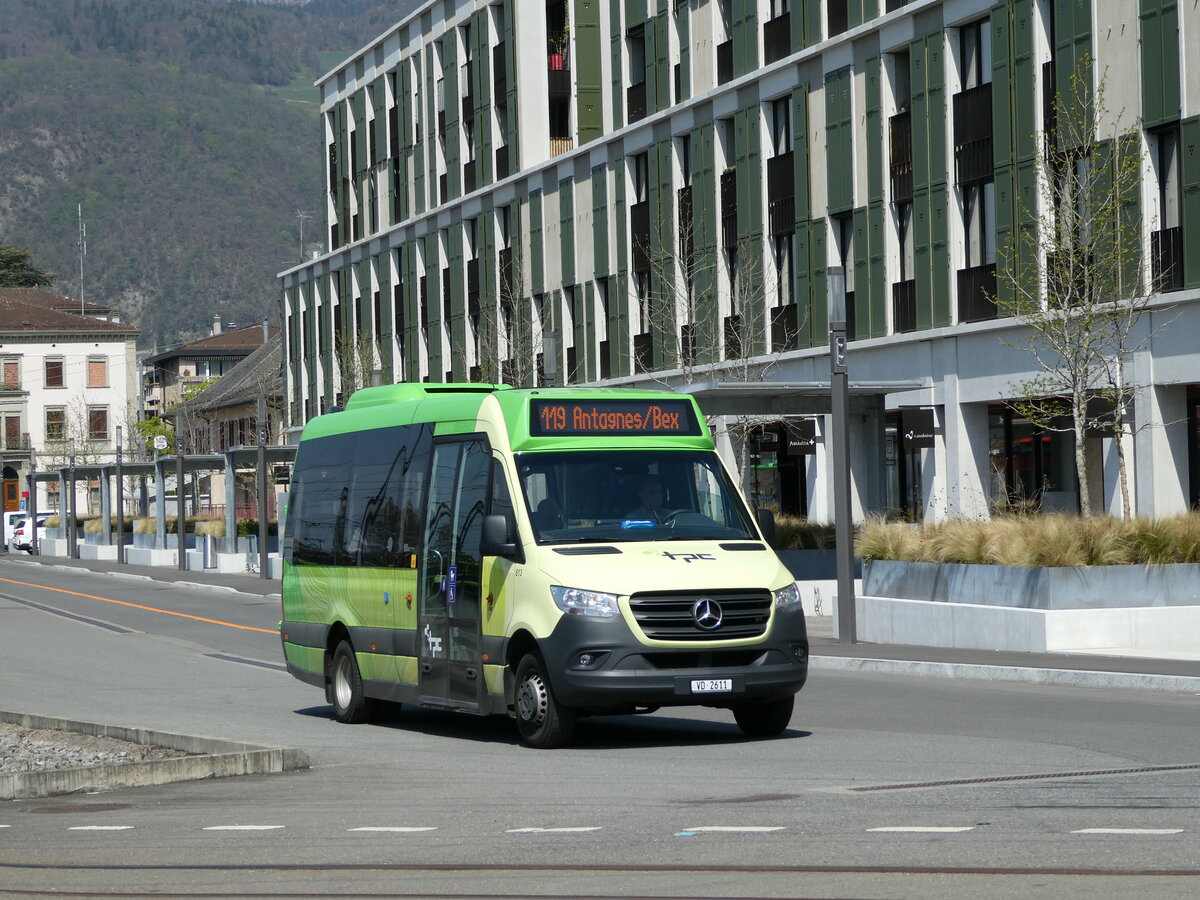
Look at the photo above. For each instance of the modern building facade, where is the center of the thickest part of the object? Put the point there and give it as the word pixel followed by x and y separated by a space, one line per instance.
pixel 654 191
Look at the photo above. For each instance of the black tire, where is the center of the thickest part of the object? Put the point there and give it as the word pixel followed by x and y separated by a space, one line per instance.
pixel 542 721
pixel 764 719
pixel 350 703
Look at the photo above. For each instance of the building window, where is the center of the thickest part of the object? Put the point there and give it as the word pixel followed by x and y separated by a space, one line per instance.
pixel 97 372
pixel 979 218
pixel 975 46
pixel 98 423
pixel 54 373
pixel 12 374
pixel 56 423
pixel 784 261
pixel 1166 243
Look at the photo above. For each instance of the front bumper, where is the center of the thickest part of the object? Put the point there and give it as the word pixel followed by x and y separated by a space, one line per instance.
pixel 628 673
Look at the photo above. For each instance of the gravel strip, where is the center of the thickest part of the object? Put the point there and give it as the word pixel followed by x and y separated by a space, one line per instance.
pixel 36 750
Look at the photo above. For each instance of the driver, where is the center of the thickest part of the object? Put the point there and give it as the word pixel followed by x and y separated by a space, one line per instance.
pixel 650 502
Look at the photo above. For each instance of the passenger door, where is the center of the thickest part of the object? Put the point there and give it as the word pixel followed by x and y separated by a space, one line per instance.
pixel 449 605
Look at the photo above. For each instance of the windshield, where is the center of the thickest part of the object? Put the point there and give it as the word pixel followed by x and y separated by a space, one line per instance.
pixel 631 495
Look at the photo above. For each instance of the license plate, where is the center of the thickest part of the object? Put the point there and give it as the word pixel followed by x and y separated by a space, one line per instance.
pixel 712 685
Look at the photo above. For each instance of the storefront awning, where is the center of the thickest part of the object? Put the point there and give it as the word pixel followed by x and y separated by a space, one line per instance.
pixel 787 398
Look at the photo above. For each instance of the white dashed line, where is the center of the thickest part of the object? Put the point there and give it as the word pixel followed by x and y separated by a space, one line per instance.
pixel 244 827
pixel 753 829
pixel 926 829
pixel 553 830
pixel 100 828
pixel 1128 831
pixel 395 829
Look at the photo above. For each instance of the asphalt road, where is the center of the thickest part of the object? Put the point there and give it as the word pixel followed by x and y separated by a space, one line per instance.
pixel 885 786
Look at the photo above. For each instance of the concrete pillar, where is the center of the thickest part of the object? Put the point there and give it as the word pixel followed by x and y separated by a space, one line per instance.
pixel 105 506
pixel 1161 451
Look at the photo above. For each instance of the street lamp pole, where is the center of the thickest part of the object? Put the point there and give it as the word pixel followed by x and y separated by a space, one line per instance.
pixel 120 504
pixel 72 538
pixel 840 408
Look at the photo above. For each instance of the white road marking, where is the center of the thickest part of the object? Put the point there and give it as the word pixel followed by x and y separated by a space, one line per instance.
pixel 552 830
pixel 244 827
pixel 100 828
pixel 1128 831
pixel 397 829
pixel 746 828
pixel 926 829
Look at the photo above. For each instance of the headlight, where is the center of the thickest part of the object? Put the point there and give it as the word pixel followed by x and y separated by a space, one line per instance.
pixel 786 598
pixel 576 602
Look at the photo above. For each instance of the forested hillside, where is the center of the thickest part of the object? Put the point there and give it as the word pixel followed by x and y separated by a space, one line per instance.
pixel 188 131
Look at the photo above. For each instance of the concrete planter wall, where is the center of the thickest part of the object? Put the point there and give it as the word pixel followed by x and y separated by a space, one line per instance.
pixel 1068 587
pixel 1113 610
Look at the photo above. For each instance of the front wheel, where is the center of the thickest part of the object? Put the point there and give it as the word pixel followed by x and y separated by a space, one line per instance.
pixel 541 720
pixel 350 703
pixel 764 719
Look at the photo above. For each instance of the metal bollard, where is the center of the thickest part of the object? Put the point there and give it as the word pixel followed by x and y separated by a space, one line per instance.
pixel 210 552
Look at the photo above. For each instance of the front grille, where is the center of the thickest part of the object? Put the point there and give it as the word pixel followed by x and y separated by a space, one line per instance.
pixel 668 616
pixel 720 659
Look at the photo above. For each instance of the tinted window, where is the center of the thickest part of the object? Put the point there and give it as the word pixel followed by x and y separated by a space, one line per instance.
pixel 319 492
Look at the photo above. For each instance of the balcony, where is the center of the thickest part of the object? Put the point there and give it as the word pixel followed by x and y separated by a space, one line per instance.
pixel 785 328
pixel 1166 254
pixel 561 145
pixel 977 293
pixel 973 134
pixel 635 102
pixel 839 16
pixel 781 191
pixel 901 156
pixel 15 443
pixel 725 62
pixel 470 180
pixel 506 273
pixel 904 306
pixel 558 74
pixel 502 169
pixel 639 235
pixel 777 38
pixel 605 360
pixel 643 353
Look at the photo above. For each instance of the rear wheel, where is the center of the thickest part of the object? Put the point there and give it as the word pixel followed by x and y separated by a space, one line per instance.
pixel 541 720
pixel 767 718
pixel 350 703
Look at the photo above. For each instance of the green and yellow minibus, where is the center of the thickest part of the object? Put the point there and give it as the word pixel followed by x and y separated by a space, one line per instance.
pixel 539 553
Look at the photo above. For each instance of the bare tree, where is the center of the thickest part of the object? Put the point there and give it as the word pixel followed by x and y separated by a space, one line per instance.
pixel 1076 275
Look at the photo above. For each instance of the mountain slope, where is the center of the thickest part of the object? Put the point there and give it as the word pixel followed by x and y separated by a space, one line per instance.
pixel 174 124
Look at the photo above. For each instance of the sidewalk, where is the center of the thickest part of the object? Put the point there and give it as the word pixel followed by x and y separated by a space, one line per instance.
pixel 827 652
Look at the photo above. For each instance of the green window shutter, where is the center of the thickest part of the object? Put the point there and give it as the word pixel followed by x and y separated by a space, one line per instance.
pixel 1130 212
pixel 813 24
pixel 1006 248
pixel 1025 223
pixel 1073 41
pixel 617 45
pixel 745 36
pixel 1024 101
pixel 878 285
pixel 935 95
pixel 1189 133
pixel 803 300
pixel 818 306
pixel 600 220
pixel 800 152
pixel 940 253
pixel 589 89
pixel 537 250
pixel 749 175
pixel 920 110
pixel 566 200
pixel 1002 88
pixel 659 79
pixel 921 256
pixel 1160 61
pixel 839 156
pixel 379 123
pixel 874 72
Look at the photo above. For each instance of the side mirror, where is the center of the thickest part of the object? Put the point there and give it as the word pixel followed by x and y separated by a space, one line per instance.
pixel 766 524
pixel 497 539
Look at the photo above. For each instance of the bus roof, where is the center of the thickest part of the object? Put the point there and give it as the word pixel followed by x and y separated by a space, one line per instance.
pixel 534 418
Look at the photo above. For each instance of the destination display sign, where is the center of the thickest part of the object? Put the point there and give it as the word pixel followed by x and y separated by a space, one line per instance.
pixel 613 417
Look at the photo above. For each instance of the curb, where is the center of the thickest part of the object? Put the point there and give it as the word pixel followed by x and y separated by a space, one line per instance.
pixel 1182 684
pixel 132 576
pixel 214 758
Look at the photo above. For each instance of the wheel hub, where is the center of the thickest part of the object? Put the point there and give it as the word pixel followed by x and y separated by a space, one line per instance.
pixel 532 700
